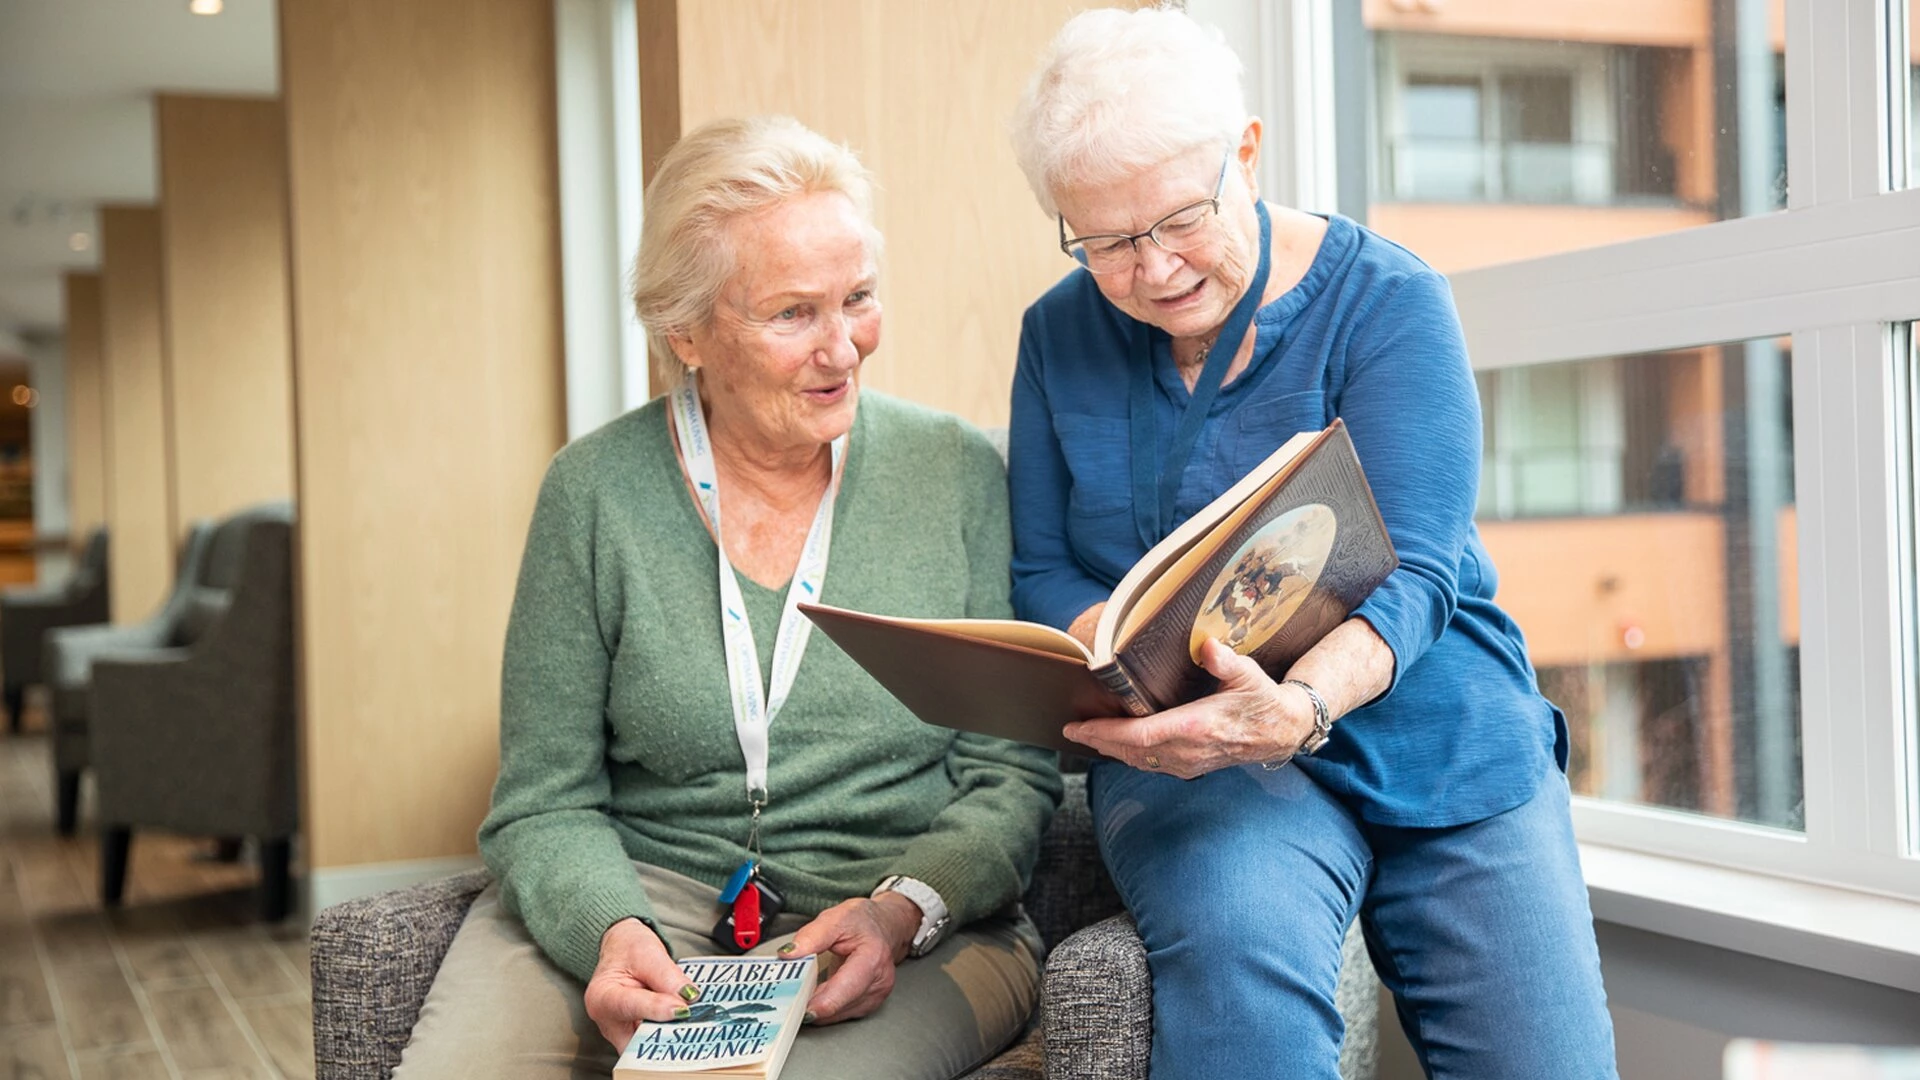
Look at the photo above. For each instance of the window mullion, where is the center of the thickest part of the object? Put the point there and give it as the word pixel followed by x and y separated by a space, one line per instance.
pixel 1852 653
pixel 1837 101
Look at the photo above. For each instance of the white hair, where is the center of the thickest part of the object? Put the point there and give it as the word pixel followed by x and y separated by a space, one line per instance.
pixel 1118 91
pixel 722 170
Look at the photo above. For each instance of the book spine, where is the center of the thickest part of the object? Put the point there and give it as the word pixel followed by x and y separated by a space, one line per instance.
pixel 1116 679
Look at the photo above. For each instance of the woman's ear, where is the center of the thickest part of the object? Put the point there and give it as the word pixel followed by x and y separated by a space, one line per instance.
pixel 1248 154
pixel 685 351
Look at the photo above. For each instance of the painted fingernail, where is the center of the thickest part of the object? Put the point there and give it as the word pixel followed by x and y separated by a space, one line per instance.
pixel 682 1013
pixel 690 992
pixel 810 1018
pixel 787 949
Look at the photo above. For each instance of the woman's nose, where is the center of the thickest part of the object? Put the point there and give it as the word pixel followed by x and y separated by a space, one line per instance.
pixel 837 348
pixel 1156 264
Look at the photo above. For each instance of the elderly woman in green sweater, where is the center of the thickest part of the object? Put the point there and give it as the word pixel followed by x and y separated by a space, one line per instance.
pixel 666 721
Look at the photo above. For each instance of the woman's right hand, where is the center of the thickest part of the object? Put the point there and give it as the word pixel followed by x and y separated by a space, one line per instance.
pixel 1082 628
pixel 635 980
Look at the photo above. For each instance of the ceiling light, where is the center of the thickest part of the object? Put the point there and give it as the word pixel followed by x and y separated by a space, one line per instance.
pixel 25 396
pixel 205 7
pixel 79 241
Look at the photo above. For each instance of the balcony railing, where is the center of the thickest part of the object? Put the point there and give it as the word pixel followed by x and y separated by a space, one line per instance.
pixel 1474 170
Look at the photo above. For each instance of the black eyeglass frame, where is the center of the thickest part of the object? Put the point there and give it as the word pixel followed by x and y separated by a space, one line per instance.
pixel 1133 240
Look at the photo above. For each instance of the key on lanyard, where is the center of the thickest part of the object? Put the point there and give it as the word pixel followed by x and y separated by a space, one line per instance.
pixel 746 917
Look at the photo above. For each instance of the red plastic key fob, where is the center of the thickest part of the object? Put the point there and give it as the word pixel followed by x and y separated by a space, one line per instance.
pixel 746 918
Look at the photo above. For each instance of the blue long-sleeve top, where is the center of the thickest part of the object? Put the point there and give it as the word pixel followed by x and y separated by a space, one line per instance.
pixel 1369 335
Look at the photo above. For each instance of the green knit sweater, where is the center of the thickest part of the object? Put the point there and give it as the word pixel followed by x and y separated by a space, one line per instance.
pixel 616 732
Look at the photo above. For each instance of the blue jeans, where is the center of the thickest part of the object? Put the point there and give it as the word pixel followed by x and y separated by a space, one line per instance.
pixel 1244 882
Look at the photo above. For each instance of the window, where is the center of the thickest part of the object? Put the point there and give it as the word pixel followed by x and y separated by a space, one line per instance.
pixel 1699 474
pixel 1640 511
pixel 1481 120
pixel 1907 62
pixel 1913 122
pixel 1565 125
pixel 1910 547
pixel 1702 445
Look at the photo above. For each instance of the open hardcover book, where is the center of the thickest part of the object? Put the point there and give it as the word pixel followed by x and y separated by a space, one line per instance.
pixel 743 1025
pixel 1269 568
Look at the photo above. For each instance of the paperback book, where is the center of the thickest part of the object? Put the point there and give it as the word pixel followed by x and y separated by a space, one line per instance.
pixel 744 1024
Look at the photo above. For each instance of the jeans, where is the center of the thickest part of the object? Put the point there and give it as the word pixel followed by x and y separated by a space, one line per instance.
pixel 1243 883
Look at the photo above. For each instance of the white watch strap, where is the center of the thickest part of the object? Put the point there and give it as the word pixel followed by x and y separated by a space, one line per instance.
pixel 933 910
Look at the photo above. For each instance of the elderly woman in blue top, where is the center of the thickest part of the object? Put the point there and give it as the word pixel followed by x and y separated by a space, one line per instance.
pixel 1437 811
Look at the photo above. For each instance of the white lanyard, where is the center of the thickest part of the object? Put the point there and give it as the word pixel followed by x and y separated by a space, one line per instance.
pixel 753 713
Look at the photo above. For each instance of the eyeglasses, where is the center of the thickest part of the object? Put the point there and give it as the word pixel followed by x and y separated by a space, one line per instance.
pixel 1182 230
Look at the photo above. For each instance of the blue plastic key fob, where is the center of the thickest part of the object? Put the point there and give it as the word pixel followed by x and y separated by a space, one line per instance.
pixel 737 882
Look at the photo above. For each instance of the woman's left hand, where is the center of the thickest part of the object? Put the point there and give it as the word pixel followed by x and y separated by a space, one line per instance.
pixel 870 937
pixel 1250 718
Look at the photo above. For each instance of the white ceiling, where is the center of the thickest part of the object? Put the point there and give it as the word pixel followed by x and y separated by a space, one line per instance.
pixel 77 79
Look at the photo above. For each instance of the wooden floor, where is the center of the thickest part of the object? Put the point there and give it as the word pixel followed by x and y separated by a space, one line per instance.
pixel 179 983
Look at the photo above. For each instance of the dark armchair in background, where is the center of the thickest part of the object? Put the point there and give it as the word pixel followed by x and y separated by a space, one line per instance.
pixel 200 738
pixel 72 650
pixel 26 614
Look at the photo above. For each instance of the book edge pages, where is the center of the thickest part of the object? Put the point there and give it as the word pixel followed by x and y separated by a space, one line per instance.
pixel 1153 577
pixel 1039 639
pixel 777 1058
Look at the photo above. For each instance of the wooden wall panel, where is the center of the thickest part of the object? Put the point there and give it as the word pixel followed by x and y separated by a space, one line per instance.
pixel 923 92
pixel 223 231
pixel 86 407
pixel 139 478
pixel 427 386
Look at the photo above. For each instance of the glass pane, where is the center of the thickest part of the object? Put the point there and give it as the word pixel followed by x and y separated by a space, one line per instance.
pixel 1912 331
pixel 1510 131
pixel 1913 94
pixel 1443 159
pixel 1640 512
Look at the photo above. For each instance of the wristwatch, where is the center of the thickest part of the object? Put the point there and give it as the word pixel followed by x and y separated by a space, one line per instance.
pixel 933 911
pixel 1322 719
pixel 1322 727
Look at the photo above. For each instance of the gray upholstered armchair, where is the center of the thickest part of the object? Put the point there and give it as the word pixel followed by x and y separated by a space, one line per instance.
pixel 375 958
pixel 26 614
pixel 72 650
pixel 200 738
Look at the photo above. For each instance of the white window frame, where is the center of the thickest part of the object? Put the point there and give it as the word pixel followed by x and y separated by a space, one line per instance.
pixel 597 104
pixel 1838 271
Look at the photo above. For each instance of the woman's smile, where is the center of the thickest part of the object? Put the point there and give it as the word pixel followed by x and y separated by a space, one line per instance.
pixel 828 395
pixel 1182 300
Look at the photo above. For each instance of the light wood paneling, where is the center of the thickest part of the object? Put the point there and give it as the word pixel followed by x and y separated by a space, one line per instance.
pixel 139 476
pixel 86 407
pixel 223 232
pixel 923 92
pixel 427 388
pixel 658 23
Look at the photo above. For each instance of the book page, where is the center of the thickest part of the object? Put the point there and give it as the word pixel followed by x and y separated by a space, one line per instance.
pixel 1165 567
pixel 1007 631
pixel 1269 580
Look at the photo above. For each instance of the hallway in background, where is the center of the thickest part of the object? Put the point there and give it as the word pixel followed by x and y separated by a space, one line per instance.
pixel 181 983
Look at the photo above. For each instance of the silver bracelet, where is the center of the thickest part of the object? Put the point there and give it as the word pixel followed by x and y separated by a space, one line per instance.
pixel 1322 726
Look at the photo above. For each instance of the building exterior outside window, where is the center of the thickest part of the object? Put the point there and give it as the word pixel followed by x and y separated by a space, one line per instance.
pixel 1640 508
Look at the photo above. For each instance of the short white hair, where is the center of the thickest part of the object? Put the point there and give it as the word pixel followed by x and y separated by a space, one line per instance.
pixel 722 170
pixel 1119 91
